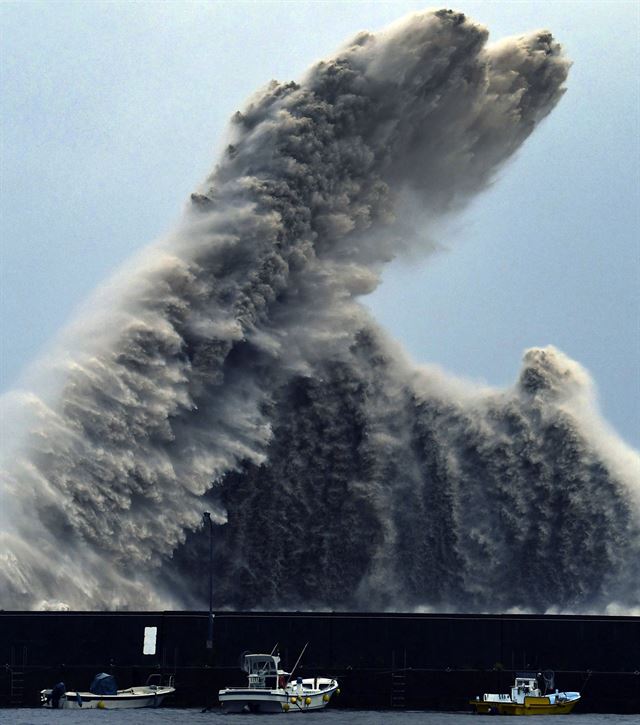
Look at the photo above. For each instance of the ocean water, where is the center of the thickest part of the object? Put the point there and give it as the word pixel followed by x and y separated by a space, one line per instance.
pixel 170 716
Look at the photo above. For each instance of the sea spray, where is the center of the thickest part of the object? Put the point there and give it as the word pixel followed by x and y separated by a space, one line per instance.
pixel 234 369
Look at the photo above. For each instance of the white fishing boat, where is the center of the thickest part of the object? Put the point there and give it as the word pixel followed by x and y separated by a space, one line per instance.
pixel 527 698
pixel 104 695
pixel 271 689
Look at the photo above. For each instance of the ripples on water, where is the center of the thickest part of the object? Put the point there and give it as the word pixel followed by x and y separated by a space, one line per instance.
pixel 168 716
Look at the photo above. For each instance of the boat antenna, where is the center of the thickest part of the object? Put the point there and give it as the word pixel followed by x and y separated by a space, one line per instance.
pixel 275 647
pixel 298 661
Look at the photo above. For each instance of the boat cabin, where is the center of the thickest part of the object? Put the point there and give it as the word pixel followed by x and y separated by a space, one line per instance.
pixel 526 685
pixel 264 672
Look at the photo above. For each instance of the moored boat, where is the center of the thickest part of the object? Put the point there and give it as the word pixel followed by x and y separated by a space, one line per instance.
pixel 271 689
pixel 527 698
pixel 104 695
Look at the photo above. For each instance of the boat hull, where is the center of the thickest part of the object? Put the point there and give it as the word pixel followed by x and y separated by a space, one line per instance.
pixel 531 706
pixel 235 700
pixel 125 699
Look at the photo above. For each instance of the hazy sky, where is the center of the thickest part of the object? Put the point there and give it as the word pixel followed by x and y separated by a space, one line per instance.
pixel 112 113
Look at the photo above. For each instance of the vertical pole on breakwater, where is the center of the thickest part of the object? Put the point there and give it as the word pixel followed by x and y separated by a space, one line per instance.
pixel 207 518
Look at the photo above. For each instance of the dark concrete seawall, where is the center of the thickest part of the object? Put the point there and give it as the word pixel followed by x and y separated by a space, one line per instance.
pixel 434 661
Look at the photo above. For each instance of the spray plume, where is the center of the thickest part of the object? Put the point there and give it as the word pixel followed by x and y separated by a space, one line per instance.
pixel 233 368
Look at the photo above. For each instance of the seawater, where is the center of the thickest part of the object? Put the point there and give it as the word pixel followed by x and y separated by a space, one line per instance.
pixel 170 716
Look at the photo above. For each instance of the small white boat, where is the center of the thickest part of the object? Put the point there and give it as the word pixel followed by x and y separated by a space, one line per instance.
pixel 271 689
pixel 526 698
pixel 104 695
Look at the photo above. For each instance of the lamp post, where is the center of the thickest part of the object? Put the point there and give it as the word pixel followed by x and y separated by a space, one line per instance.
pixel 207 518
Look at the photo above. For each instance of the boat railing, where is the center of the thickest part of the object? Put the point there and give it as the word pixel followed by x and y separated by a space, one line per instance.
pixel 157 680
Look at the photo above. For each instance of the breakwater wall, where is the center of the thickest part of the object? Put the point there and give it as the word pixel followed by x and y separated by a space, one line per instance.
pixel 430 661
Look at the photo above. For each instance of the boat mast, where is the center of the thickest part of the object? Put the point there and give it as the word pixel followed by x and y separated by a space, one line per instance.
pixel 297 661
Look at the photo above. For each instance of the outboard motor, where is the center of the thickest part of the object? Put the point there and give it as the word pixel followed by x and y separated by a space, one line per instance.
pixel 56 693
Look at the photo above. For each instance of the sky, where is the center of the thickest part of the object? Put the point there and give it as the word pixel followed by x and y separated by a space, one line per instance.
pixel 113 113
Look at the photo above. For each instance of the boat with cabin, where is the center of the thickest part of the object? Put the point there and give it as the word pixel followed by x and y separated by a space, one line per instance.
pixel 528 698
pixel 104 694
pixel 271 689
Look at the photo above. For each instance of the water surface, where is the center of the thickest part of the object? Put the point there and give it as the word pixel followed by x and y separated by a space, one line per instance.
pixel 169 716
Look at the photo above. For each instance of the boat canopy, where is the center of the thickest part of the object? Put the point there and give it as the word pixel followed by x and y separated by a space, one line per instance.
pixel 104 684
